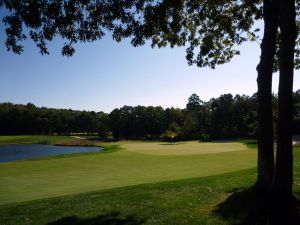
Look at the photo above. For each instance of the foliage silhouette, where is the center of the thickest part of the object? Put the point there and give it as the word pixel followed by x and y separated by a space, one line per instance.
pixel 113 218
pixel 249 207
pixel 223 117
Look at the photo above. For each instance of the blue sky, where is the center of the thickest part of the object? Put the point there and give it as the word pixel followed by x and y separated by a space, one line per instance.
pixel 105 75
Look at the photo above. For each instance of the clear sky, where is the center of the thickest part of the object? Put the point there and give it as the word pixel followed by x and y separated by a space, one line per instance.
pixel 105 75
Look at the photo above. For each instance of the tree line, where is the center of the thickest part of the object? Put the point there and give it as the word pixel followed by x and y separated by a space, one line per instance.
pixel 29 119
pixel 226 116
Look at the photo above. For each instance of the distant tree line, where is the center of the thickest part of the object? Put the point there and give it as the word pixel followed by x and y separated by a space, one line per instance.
pixel 29 119
pixel 219 118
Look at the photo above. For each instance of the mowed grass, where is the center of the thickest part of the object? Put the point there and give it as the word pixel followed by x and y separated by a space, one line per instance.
pixel 117 166
pixel 204 200
pixel 191 201
pixel 183 148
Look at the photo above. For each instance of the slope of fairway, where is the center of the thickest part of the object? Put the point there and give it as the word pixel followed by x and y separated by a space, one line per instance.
pixel 175 202
pixel 182 148
pixel 57 176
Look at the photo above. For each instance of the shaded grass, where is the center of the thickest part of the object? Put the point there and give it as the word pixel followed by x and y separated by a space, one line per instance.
pixel 113 218
pixel 249 143
pixel 250 207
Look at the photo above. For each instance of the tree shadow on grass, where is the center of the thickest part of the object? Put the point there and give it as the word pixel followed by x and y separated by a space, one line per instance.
pixel 172 143
pixel 249 207
pixel 113 218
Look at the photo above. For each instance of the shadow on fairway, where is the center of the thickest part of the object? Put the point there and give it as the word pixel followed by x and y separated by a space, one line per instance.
pixel 173 143
pixel 113 218
pixel 247 207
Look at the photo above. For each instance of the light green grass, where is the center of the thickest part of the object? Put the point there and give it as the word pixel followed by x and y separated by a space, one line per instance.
pixel 57 176
pixel 182 148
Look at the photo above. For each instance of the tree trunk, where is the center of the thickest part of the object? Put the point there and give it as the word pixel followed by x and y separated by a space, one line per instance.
pixel 265 162
pixel 283 179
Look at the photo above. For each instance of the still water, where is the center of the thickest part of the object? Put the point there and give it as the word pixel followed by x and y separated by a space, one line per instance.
pixel 18 152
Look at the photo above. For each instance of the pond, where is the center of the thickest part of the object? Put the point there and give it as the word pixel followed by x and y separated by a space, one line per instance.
pixel 18 152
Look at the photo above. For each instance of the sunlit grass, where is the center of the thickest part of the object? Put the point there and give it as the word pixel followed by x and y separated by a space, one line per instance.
pixel 182 148
pixel 116 166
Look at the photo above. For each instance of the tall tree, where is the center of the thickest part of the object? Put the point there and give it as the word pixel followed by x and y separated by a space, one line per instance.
pixel 283 179
pixel 265 67
pixel 194 103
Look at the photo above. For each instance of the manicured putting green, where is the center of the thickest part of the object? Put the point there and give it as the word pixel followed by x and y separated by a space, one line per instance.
pixel 182 148
pixel 58 176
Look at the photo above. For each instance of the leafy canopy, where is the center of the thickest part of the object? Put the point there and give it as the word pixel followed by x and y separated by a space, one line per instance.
pixel 211 30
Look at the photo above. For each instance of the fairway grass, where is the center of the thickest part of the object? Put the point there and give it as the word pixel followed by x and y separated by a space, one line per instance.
pixel 116 167
pixel 196 201
pixel 190 201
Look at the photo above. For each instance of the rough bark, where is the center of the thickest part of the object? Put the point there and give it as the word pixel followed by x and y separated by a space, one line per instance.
pixel 265 162
pixel 283 178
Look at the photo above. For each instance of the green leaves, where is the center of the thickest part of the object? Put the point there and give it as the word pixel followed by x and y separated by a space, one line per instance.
pixel 212 30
